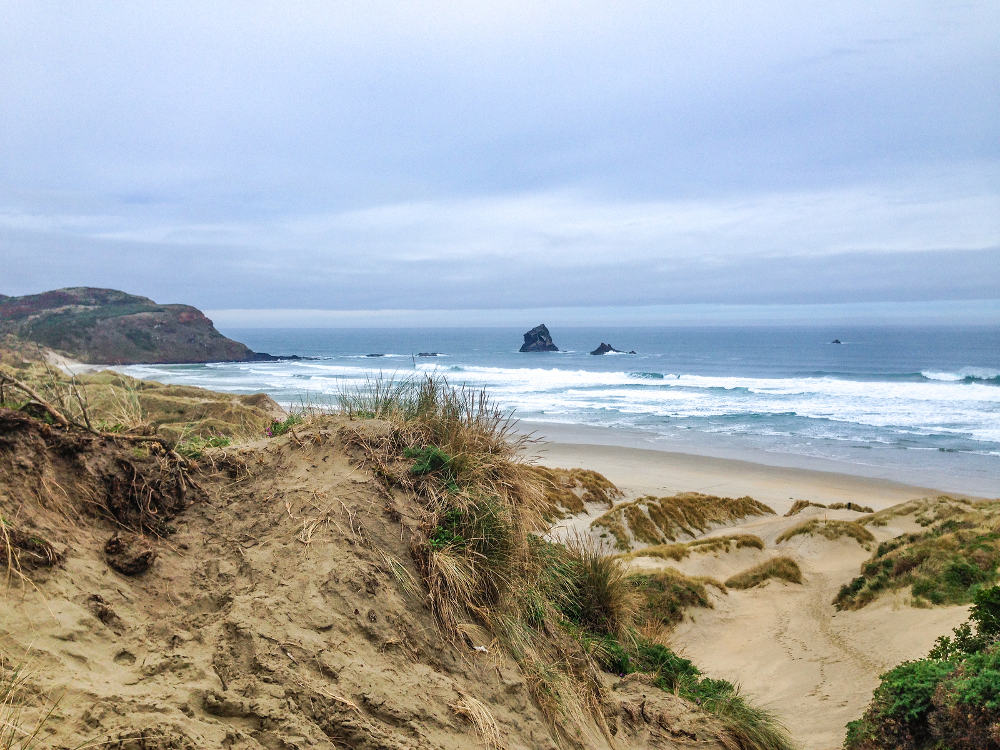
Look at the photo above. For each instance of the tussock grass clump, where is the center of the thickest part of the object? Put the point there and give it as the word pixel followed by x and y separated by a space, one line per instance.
pixel 829 529
pixel 667 593
pixel 783 568
pixel 677 551
pixel 570 489
pixel 713 544
pixel 746 726
pixel 656 520
pixel 800 505
pixel 945 564
pixel 926 511
pixel 724 543
pixel 600 596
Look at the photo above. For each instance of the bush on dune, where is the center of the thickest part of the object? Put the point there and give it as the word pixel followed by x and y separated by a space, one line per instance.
pixel 951 699
pixel 945 564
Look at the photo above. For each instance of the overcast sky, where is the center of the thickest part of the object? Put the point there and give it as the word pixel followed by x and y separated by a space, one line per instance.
pixel 411 155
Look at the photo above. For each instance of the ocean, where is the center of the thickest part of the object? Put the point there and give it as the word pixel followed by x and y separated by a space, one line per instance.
pixel 913 404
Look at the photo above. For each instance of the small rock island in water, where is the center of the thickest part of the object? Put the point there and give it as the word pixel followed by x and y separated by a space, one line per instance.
pixel 608 349
pixel 538 339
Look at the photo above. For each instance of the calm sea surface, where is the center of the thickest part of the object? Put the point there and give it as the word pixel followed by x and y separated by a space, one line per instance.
pixel 908 403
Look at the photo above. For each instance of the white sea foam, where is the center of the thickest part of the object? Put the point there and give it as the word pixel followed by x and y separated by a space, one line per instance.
pixel 942 404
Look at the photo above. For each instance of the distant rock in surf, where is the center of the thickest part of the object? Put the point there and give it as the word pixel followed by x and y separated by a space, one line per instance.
pixel 538 339
pixel 374 355
pixel 836 341
pixel 428 354
pixel 608 349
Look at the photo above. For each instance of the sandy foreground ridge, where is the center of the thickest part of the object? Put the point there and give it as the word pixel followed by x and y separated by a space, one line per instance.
pixel 274 594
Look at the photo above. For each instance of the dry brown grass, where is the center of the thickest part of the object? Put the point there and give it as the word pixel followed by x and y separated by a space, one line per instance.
pixel 783 568
pixel 829 529
pixel 481 718
pixel 20 727
pixel 726 543
pixel 926 511
pixel 657 520
pixel 713 544
pixel 800 505
pixel 570 489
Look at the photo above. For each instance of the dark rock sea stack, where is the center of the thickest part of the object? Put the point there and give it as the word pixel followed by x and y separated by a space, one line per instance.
pixel 607 349
pixel 538 339
pixel 107 326
pixel 836 341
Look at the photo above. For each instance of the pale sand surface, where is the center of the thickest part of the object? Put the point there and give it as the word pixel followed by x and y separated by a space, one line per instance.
pixel 784 643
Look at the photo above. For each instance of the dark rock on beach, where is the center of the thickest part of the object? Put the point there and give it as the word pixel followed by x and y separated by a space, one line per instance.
pixel 607 349
pixel 106 326
pixel 538 339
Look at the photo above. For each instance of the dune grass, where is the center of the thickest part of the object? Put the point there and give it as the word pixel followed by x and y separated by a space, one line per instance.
pixel 725 543
pixel 568 490
pixel 782 568
pixel 800 505
pixel 678 551
pixel 829 529
pixel 17 730
pixel 658 520
pixel 944 564
pixel 560 611
pixel 667 593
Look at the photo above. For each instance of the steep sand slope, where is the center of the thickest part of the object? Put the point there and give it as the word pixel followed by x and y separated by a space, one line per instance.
pixel 284 612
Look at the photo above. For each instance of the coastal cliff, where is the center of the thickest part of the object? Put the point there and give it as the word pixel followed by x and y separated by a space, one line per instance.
pixel 107 326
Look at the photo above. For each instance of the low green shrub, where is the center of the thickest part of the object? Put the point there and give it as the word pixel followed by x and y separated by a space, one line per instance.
pixel 194 447
pixel 945 564
pixel 281 427
pixel 950 699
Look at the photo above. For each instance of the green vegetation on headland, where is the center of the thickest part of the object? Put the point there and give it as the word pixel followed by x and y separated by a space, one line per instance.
pixel 106 326
pixel 950 699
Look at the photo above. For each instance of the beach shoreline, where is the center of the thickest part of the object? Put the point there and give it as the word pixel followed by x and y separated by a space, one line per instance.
pixel 639 465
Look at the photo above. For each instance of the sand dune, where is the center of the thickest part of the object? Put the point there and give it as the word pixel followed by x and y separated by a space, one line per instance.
pixel 784 643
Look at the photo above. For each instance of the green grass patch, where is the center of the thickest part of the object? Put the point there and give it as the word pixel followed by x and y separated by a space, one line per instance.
pixel 195 446
pixel 281 427
pixel 945 564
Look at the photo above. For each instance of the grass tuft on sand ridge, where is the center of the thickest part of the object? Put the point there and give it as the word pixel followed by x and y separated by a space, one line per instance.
pixel 782 568
pixel 658 520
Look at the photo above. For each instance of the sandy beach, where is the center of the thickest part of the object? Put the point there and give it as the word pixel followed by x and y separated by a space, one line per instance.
pixel 785 644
